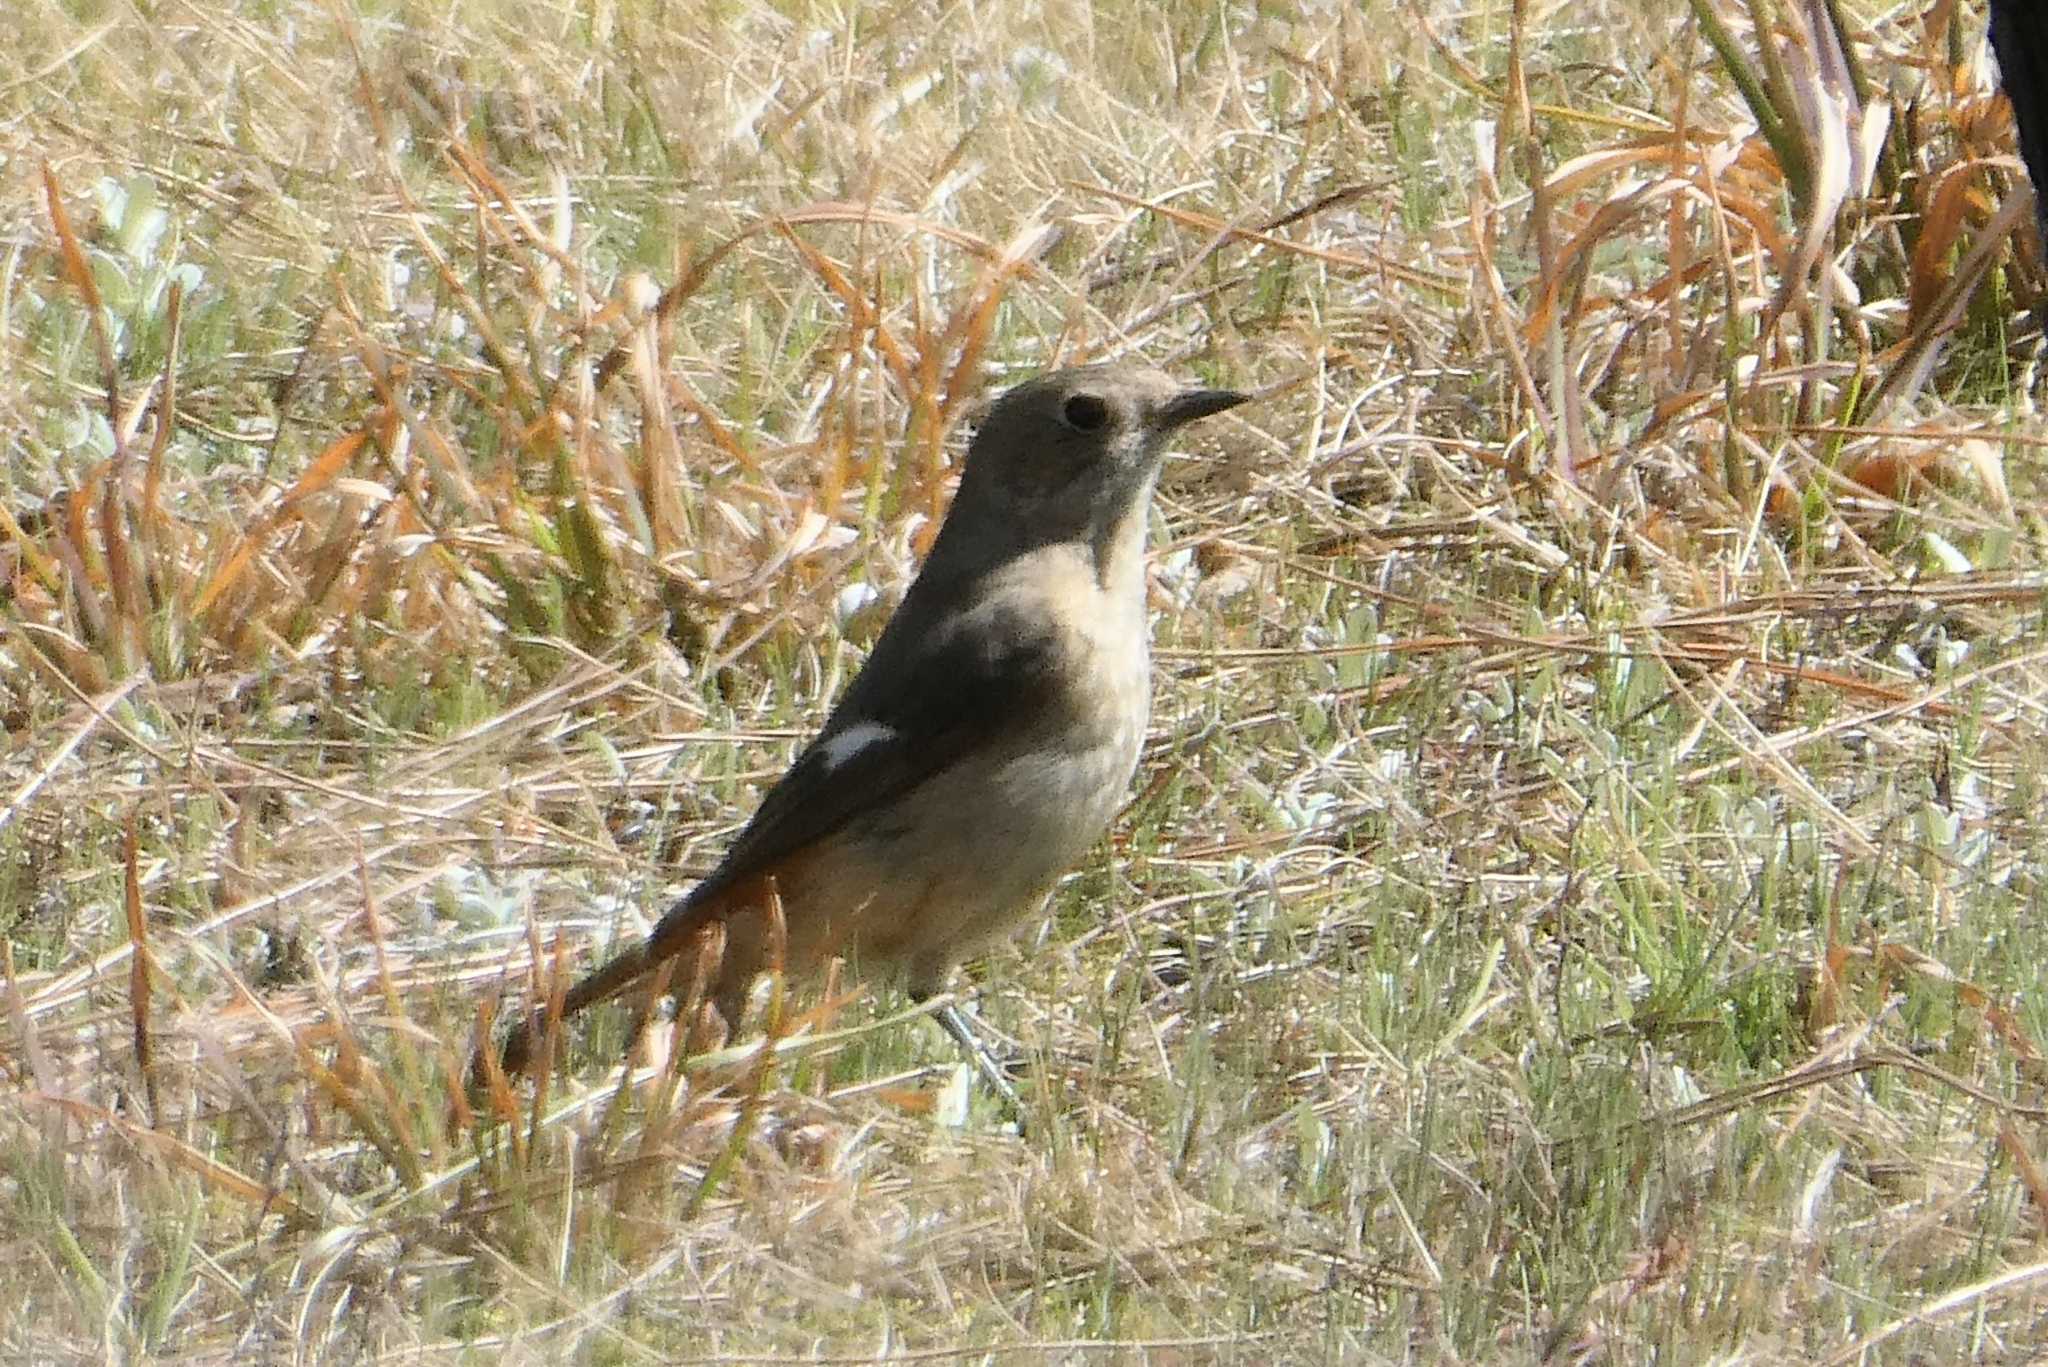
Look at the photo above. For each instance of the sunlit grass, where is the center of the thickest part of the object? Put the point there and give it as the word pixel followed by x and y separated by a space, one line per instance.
pixel 1583 897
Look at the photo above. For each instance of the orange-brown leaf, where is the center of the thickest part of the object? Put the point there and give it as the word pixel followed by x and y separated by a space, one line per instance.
pixel 76 271
pixel 1941 227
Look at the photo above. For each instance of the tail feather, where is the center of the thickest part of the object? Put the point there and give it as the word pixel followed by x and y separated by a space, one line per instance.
pixel 675 932
pixel 600 985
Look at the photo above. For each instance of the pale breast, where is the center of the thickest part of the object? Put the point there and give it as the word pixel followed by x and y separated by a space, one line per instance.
pixel 1024 810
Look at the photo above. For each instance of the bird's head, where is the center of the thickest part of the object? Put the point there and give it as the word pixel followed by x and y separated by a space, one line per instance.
pixel 1073 453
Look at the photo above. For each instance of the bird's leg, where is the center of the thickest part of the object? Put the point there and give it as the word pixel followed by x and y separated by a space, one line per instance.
pixel 954 1023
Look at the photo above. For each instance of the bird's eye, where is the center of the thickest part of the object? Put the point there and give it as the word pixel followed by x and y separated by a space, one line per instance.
pixel 1085 413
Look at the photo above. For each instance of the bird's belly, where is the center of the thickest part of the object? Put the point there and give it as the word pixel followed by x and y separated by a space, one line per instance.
pixel 920 882
pixel 895 895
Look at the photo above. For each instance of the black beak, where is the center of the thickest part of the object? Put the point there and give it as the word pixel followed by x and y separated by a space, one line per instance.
pixel 1185 407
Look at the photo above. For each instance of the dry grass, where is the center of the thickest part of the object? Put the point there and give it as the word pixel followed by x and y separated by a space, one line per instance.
pixel 1584 900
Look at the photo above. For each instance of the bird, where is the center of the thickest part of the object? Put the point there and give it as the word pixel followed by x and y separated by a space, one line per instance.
pixel 987 742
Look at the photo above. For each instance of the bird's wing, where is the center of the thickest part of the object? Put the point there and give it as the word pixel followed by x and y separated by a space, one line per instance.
pixel 918 708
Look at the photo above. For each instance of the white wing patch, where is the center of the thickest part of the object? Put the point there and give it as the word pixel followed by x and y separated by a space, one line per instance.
pixel 852 741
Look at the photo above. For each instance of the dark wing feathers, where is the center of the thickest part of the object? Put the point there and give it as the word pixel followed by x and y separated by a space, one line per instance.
pixel 941 698
pixel 2019 35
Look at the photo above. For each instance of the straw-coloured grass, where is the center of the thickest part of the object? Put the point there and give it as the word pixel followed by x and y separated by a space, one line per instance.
pixel 1583 897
